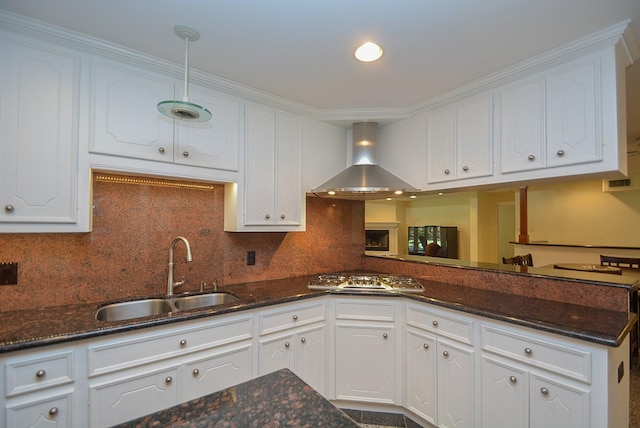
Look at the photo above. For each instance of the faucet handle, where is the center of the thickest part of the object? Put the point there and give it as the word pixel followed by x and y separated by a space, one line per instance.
pixel 179 283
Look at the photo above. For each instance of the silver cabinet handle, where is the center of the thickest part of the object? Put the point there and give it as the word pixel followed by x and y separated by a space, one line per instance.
pixel 282 216
pixel 303 340
pixel 183 342
pixel 531 157
pixel 8 208
pixel 168 379
pixel 161 149
pixel 287 344
pixel 445 353
pixel 40 373
pixel 446 171
pixel 528 351
pixel 185 154
pixel 544 391
pixel 295 318
pixel 465 168
pixel 435 323
pixel 385 335
pixel 53 411
pixel 560 153
pixel 513 379
pixel 196 372
pixel 267 216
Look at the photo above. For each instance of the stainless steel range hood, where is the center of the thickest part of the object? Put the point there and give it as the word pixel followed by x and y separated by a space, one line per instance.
pixel 365 179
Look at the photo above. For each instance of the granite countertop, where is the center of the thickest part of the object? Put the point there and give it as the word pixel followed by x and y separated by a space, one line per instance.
pixel 38 327
pixel 273 400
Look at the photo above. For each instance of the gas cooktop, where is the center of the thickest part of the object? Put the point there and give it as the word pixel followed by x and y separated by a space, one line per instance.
pixel 366 282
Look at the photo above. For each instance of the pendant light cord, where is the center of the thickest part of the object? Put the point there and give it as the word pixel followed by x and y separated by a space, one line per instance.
pixel 185 96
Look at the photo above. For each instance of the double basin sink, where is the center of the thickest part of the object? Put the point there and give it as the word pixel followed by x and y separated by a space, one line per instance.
pixel 157 306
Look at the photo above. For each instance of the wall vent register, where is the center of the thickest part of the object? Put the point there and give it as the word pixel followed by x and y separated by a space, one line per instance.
pixel 367 282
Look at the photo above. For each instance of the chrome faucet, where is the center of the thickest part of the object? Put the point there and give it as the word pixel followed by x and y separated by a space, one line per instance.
pixel 171 284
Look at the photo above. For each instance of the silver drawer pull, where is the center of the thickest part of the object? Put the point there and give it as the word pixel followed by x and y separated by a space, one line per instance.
pixel 425 346
pixel 446 171
pixel 40 373
pixel 185 154
pixel 544 391
pixel 303 340
pixel 267 216
pixel 282 216
pixel 295 318
pixel 385 335
pixel 8 208
pixel 161 149
pixel 435 323
pixel 183 342
pixel 528 351
pixel 513 379
pixel 53 411
pixel 445 353
pixel 287 344
pixel 465 168
pixel 168 379
pixel 196 372
pixel 531 157
pixel 560 153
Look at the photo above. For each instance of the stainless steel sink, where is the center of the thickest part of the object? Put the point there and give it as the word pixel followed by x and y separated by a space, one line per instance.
pixel 134 309
pixel 148 307
pixel 202 300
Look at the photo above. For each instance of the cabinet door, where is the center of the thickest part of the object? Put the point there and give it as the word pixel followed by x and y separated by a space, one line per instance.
pixel 38 135
pixel 475 137
pixel 211 144
pixel 225 369
pixel 276 353
pixel 522 134
pixel 421 375
pixel 455 386
pixel 441 145
pixel 365 363
pixel 131 397
pixel 54 412
pixel 259 183
pixel 126 120
pixel 310 357
pixel 288 187
pixel 574 135
pixel 557 405
pixel 504 395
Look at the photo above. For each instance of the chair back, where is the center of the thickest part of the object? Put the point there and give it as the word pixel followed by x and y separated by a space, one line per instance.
pixel 628 262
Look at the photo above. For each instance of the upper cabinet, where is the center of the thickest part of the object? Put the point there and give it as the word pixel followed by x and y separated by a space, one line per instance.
pixel 127 124
pixel 270 197
pixel 552 119
pixel 43 188
pixel 460 140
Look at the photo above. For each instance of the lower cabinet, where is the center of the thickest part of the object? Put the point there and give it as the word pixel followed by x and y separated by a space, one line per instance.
pixel 365 350
pixel 53 411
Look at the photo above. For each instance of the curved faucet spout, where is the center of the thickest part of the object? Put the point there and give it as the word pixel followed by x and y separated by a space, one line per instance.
pixel 171 284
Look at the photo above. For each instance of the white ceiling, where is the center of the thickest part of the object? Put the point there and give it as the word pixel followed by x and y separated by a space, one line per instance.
pixel 301 50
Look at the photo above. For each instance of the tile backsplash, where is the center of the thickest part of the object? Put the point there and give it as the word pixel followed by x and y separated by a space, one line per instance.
pixel 127 252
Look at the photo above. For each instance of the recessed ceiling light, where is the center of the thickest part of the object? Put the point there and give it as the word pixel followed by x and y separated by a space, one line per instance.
pixel 368 52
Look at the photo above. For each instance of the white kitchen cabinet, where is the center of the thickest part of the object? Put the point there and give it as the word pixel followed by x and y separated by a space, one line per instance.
pixel 127 124
pixel 40 388
pixel 460 140
pixel 440 372
pixel 365 350
pixel 43 181
pixel 294 337
pixel 132 375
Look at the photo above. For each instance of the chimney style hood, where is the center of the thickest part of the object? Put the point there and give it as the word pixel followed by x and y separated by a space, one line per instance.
pixel 365 179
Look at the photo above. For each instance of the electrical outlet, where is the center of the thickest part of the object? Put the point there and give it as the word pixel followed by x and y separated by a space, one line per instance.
pixel 8 273
pixel 251 258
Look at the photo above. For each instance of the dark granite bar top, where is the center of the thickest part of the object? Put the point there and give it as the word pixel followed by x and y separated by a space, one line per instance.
pixel 38 327
pixel 273 400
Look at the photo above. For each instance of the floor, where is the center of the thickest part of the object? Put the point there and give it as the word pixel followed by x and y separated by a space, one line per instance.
pixel 375 420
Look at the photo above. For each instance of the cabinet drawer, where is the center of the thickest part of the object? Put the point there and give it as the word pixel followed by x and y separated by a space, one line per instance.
pixel 291 317
pixel 50 411
pixel 365 309
pixel 39 373
pixel 441 323
pixel 145 348
pixel 570 362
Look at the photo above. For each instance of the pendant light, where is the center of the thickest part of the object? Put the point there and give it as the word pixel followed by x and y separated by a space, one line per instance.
pixel 184 109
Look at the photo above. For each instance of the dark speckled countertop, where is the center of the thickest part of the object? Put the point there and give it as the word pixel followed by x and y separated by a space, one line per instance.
pixel 38 327
pixel 273 400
